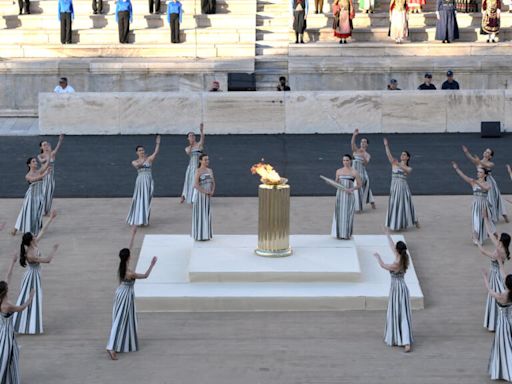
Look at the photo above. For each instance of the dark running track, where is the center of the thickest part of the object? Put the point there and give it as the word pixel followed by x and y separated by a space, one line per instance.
pixel 99 166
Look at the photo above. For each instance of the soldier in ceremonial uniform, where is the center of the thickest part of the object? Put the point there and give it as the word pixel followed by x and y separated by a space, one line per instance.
pixel 447 29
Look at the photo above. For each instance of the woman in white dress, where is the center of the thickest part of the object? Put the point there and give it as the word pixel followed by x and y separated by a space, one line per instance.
pixel 361 159
pixel 201 210
pixel 193 150
pixel 49 155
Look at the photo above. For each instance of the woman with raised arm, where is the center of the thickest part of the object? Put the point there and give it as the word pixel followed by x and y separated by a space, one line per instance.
pixel 500 363
pixel 494 195
pixel 140 209
pixel 30 321
pixel 204 188
pixel 349 179
pixel 363 195
pixel 193 150
pixel 48 155
pixel 400 214
pixel 123 334
pixel 398 318
pixel 480 207
pixel 498 256
pixel 30 218
pixel 9 352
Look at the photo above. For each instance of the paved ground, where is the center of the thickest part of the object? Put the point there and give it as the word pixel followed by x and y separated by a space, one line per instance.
pixel 250 348
pixel 99 166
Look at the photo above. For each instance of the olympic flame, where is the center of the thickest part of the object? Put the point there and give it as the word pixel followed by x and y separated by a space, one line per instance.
pixel 268 174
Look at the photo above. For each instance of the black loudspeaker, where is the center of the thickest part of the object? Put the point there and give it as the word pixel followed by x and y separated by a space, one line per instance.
pixel 241 82
pixel 490 129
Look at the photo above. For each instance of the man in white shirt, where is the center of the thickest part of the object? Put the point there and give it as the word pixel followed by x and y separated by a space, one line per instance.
pixel 63 86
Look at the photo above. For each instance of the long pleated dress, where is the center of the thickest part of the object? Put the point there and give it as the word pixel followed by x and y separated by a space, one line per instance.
pixel 497 206
pixel 398 318
pixel 123 335
pixel 343 222
pixel 399 28
pixel 480 203
pixel 30 218
pixel 9 352
pixel 142 194
pixel 30 320
pixel 363 195
pixel 188 185
pixel 201 210
pixel 491 308
pixel 400 214
pixel 48 188
pixel 500 361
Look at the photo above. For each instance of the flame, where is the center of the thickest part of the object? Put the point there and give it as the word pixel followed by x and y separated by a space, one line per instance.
pixel 268 174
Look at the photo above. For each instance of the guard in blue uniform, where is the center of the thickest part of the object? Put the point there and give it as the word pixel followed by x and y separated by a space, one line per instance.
pixel 174 16
pixel 124 16
pixel 66 15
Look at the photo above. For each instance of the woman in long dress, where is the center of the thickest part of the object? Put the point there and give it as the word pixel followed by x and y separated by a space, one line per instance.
pixel 204 188
pixel 401 213
pixel 480 206
pixel 467 6
pixel 9 351
pixel 494 196
pixel 348 177
pixel 500 363
pixel 193 150
pixel 367 6
pixel 361 159
pixel 123 334
pixel 416 5
pixel 343 12
pixel 447 29
pixel 140 209
pixel 498 256
pixel 491 11
pixel 49 155
pixel 30 218
pixel 398 330
pixel 30 321
pixel 398 29
pixel 300 14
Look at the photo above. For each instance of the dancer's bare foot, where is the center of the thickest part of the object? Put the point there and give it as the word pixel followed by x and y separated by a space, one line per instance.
pixel 417 224
pixel 14 231
pixel 373 206
pixel 112 354
pixel 505 217
pixel 182 200
pixel 407 348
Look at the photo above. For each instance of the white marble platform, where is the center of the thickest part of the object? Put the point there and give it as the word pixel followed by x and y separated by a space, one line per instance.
pixel 169 288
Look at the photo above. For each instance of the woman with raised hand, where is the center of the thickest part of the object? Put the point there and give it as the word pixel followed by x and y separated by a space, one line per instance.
pixel 204 188
pixel 193 150
pixel 9 351
pixel 30 321
pixel 401 213
pixel 123 334
pixel 140 209
pixel 480 207
pixel 494 195
pixel 48 155
pixel 30 218
pixel 363 195
pixel 500 363
pixel 498 256
pixel 398 330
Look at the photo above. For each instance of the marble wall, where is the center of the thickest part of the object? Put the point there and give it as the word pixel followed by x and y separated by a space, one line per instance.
pixel 273 112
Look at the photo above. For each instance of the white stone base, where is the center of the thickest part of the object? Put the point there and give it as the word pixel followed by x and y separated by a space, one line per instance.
pixel 237 280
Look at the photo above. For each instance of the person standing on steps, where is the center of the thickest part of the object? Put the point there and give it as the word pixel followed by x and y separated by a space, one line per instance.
pixel 66 15
pixel 447 29
pixel 124 16
pixel 154 4
pixel 174 17
pixel 97 7
pixel 300 13
pixel 343 12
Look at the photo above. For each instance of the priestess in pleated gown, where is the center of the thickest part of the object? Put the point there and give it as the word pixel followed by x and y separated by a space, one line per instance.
pixel 48 188
pixel 201 210
pixel 30 218
pixel 123 335
pixel 188 185
pixel 30 321
pixel 398 318
pixel 400 214
pixel 364 195
pixel 143 193
pixel 491 308
pixel 9 352
pixel 343 222
pixel 479 205
pixel 500 360
pixel 496 203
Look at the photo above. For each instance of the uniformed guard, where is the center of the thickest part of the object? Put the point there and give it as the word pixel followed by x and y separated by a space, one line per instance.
pixel 124 16
pixel 66 15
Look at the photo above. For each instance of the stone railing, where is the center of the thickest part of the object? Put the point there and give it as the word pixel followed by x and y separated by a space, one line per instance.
pixel 273 112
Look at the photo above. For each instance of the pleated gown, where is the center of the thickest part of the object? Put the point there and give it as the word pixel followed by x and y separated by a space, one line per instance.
pixel 491 307
pixel 30 321
pixel 400 214
pixel 9 352
pixel 480 203
pixel 48 189
pixel 123 335
pixel 398 318
pixel 500 361
pixel 30 218
pixel 363 195
pixel 188 185
pixel 201 210
pixel 343 222
pixel 497 206
pixel 142 194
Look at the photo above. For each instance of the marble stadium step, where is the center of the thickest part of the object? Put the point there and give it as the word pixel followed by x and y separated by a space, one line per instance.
pixel 273 34
pixel 274 63
pixel 270 50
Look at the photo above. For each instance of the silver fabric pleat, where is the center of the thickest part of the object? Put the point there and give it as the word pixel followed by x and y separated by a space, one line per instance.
pixel 364 195
pixel 188 185
pixel 9 352
pixel 343 222
pixel 400 214
pixel 500 361
pixel 123 335
pixel 491 308
pixel 30 218
pixel 480 203
pixel 496 204
pixel 398 318
pixel 48 189
pixel 140 209
pixel 201 210
pixel 30 321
